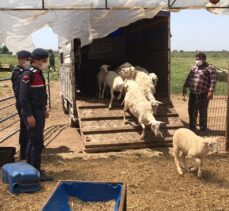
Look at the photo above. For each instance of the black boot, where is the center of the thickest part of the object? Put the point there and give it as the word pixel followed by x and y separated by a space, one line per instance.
pixel 45 177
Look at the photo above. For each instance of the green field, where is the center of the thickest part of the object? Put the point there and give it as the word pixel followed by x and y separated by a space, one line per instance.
pixel 12 60
pixel 181 62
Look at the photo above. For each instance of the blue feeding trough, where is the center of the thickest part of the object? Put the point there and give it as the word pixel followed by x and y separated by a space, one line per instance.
pixel 21 177
pixel 86 192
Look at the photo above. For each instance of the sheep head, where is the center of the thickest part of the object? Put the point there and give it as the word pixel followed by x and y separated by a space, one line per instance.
pixel 211 145
pixel 104 68
pixel 155 127
pixel 127 71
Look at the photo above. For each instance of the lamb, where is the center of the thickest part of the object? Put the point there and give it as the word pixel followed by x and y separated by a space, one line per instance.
pixel 115 83
pixel 101 77
pixel 144 82
pixel 139 107
pixel 191 146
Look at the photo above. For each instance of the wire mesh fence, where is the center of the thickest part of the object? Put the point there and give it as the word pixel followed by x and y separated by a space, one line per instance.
pixel 9 119
pixel 213 122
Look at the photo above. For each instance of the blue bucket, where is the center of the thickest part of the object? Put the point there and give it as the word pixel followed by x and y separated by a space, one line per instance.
pixel 87 192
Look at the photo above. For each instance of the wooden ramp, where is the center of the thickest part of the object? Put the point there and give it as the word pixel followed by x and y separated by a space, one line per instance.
pixel 104 130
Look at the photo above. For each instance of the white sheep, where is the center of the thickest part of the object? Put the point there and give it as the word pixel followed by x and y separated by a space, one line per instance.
pixel 115 83
pixel 145 84
pixel 139 107
pixel 126 71
pixel 101 77
pixel 152 76
pixel 191 146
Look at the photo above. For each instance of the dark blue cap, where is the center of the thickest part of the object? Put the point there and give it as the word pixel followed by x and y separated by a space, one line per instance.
pixel 23 54
pixel 40 53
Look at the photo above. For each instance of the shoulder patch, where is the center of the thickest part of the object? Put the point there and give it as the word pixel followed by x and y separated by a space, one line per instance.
pixel 33 69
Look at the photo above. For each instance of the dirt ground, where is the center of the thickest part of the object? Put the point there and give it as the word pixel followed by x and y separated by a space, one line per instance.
pixel 152 180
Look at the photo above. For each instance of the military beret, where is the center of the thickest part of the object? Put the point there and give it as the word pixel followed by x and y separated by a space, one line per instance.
pixel 23 54
pixel 40 53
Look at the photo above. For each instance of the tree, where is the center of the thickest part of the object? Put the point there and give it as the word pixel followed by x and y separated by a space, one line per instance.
pixel 4 50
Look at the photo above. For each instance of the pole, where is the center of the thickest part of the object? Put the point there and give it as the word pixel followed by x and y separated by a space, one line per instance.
pixel 227 116
pixel 49 92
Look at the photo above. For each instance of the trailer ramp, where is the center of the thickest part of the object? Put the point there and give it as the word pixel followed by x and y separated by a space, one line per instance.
pixel 104 130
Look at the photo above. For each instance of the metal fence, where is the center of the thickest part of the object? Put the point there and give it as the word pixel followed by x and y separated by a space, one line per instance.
pixel 217 113
pixel 9 119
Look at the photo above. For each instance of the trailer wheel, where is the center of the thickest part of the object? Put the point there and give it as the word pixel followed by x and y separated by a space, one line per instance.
pixel 64 105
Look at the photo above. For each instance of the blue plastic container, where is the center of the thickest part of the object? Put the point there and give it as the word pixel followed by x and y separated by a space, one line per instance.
pixel 21 177
pixel 87 192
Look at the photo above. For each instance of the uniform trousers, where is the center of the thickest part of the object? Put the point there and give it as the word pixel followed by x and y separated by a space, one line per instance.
pixel 36 138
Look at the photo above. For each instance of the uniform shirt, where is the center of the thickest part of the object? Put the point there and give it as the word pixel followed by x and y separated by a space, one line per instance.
pixel 32 91
pixel 16 78
pixel 201 79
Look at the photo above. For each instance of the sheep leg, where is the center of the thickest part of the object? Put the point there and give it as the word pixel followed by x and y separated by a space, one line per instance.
pixel 143 132
pixel 100 90
pixel 103 91
pixel 176 153
pixel 199 164
pixel 124 114
pixel 112 97
pixel 119 96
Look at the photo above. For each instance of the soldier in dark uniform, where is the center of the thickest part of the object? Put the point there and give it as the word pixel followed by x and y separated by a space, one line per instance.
pixel 33 100
pixel 23 61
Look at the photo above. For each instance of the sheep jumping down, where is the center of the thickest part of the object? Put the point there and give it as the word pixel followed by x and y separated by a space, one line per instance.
pixel 191 146
pixel 101 78
pixel 115 83
pixel 145 84
pixel 139 107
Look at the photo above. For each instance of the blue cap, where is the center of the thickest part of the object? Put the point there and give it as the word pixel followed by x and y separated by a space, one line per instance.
pixel 23 54
pixel 40 53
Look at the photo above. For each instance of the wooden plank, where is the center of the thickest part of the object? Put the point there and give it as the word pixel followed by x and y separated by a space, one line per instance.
pixel 121 129
pixel 119 125
pixel 105 112
pixel 125 138
pixel 120 148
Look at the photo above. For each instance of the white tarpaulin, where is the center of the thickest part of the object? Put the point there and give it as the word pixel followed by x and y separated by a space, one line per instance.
pixel 84 19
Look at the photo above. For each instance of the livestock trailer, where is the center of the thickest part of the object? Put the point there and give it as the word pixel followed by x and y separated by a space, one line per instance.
pixel 145 43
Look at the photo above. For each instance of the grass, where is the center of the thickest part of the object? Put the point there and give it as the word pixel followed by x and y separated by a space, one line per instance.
pixel 181 62
pixel 12 60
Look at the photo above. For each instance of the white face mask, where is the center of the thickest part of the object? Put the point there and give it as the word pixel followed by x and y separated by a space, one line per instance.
pixel 26 64
pixel 199 62
pixel 44 66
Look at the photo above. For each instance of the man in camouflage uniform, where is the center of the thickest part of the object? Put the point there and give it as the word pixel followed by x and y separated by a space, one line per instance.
pixel 201 82
pixel 23 61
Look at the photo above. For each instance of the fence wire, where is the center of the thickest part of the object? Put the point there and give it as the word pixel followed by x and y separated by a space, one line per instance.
pixel 216 113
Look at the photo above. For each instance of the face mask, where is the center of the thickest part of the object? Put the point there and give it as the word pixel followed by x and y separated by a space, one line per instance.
pixel 44 66
pixel 26 64
pixel 199 62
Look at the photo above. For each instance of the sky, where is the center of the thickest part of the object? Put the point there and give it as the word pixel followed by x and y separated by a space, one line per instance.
pixel 191 30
